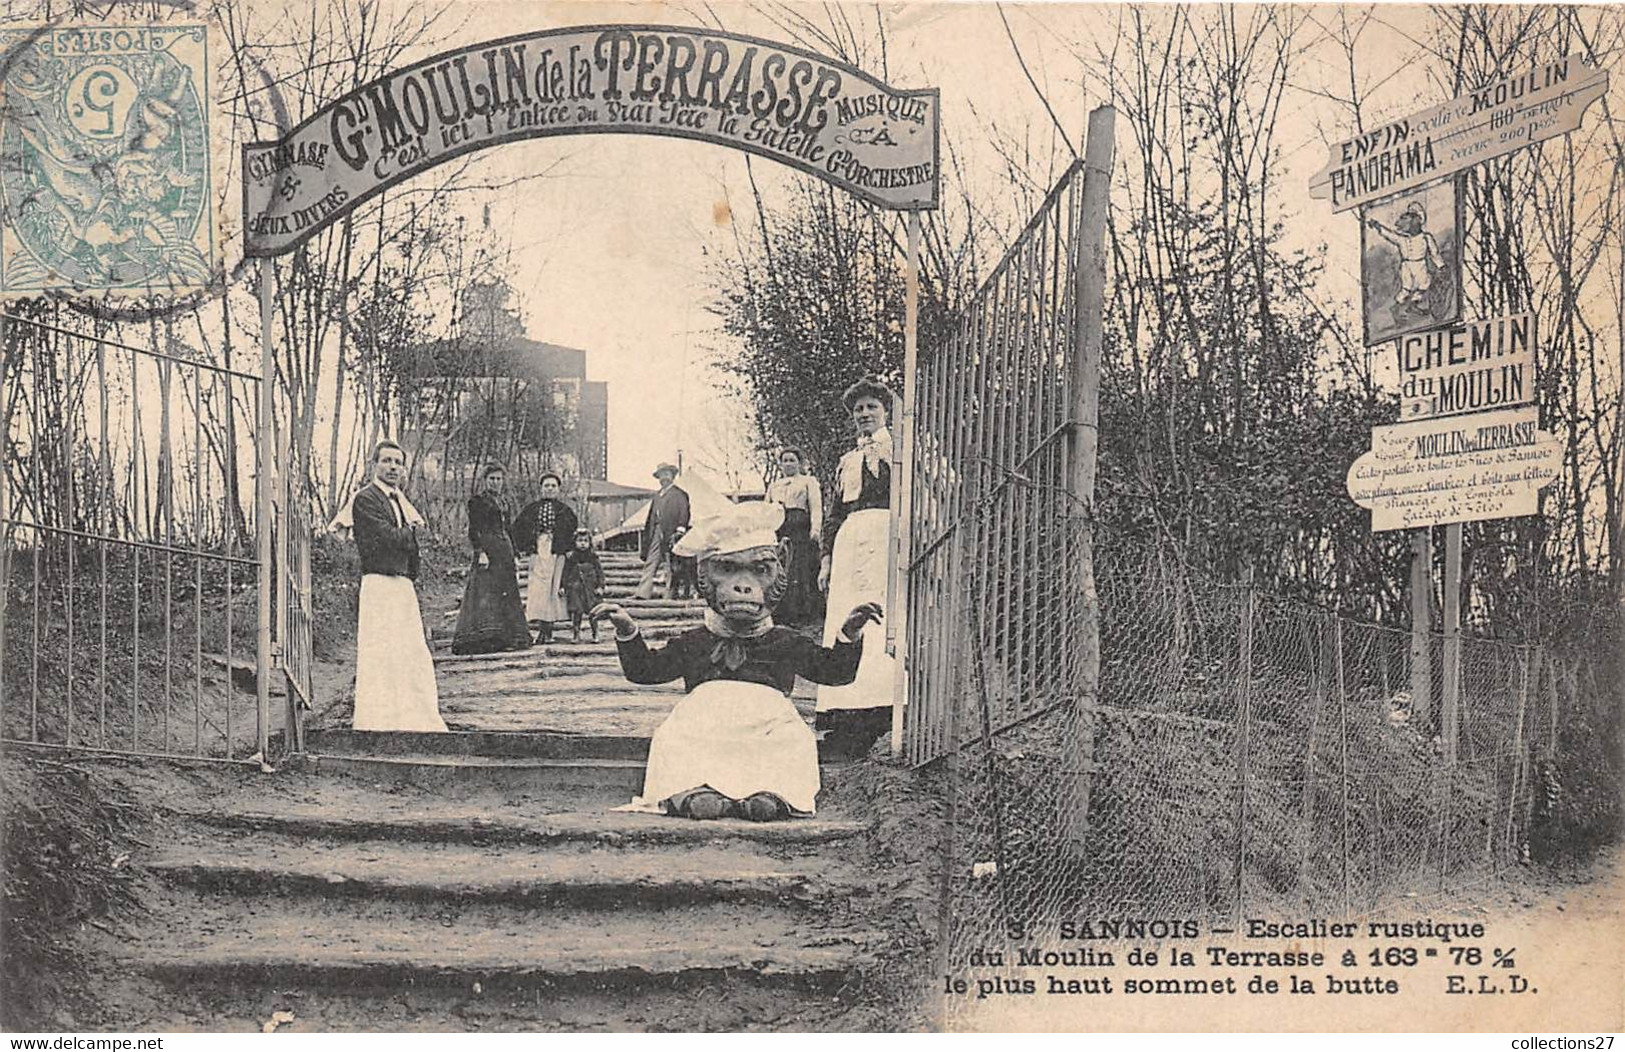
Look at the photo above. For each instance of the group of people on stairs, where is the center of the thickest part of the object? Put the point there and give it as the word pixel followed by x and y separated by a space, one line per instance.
pixel 735 745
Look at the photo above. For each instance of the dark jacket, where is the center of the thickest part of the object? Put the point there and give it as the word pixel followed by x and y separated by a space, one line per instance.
pixel 385 547
pixel 668 513
pixel 488 530
pixel 773 659
pixel 534 520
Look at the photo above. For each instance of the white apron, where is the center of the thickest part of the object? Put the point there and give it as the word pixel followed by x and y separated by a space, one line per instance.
pixel 857 574
pixel 737 738
pixel 394 672
pixel 542 599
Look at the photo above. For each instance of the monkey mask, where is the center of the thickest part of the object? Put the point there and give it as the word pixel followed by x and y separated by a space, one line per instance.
pixel 741 566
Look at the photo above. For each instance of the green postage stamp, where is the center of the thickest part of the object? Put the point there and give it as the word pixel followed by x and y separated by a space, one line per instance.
pixel 105 181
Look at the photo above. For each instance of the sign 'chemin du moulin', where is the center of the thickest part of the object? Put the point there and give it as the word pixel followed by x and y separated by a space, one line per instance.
pixel 1498 118
pixel 816 114
pixel 1462 368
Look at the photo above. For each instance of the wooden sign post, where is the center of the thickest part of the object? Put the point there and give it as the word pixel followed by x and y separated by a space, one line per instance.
pixel 1468 446
pixel 1450 700
pixel 1421 623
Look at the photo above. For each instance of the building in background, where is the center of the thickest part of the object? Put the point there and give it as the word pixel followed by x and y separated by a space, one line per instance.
pixel 508 400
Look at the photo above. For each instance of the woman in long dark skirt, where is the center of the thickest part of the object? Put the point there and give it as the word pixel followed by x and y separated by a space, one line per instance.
pixel 492 617
pixel 803 505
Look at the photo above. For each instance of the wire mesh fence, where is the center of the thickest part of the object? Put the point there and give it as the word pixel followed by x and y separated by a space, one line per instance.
pixel 1248 756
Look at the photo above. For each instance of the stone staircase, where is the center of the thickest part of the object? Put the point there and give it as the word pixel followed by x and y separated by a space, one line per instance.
pixel 480 880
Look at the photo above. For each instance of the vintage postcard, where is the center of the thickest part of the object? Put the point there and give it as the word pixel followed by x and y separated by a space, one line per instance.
pixel 746 517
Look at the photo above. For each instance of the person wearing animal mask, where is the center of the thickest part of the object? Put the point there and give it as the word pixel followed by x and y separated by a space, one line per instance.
pixel 735 746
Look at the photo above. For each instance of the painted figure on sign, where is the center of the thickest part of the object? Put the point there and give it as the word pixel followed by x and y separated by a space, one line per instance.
pixel 1419 257
pixel 735 746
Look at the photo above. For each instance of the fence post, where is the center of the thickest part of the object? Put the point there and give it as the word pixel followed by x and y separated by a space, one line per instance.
pixel 5 525
pixel 1088 328
pixel 1452 641
pixel 903 489
pixel 267 452
pixel 1343 750
pixel 1244 706
pixel 1317 700
pixel 1519 760
pixel 1421 626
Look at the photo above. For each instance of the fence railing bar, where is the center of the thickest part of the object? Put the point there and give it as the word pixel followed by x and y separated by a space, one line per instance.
pixel 145 351
pixel 1013 477
pixel 155 754
pixel 105 484
pixel 1063 185
pixel 124 542
pixel 69 412
pixel 1022 526
pixel 166 486
pixel 197 571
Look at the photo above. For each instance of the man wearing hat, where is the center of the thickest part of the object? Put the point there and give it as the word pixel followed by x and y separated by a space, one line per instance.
pixel 668 513
pixel 735 746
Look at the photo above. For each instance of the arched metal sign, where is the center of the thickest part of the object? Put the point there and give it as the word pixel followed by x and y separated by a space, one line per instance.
pixel 824 117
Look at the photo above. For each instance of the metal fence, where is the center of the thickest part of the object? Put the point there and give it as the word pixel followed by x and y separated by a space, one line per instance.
pixel 127 556
pixel 295 603
pixel 1251 756
pixel 991 523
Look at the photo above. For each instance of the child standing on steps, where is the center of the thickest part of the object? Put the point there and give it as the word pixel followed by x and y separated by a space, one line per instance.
pixel 583 584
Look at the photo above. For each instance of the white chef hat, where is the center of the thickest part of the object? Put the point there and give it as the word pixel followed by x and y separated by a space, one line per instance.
pixel 744 526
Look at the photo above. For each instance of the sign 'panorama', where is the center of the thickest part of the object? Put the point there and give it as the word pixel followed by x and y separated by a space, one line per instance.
pixel 1509 114
pixel 821 116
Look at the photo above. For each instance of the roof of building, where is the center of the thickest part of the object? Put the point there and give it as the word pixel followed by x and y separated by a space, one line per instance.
pixel 517 357
pixel 599 489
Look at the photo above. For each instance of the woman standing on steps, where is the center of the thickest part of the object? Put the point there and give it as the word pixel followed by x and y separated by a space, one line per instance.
pixel 803 504
pixel 857 544
pixel 491 617
pixel 547 527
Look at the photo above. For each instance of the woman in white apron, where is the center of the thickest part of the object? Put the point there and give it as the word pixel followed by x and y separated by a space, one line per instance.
pixel 858 541
pixel 548 528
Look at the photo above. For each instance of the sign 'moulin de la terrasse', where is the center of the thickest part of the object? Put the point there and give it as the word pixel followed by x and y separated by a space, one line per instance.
pixel 1503 116
pixel 1486 465
pixel 810 112
pixel 1467 367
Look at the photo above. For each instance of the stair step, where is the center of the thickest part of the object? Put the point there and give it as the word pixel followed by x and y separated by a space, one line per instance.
pixel 549 746
pixel 437 821
pixel 455 677
pixel 652 632
pixel 358 945
pixel 616 780
pixel 578 680
pixel 578 875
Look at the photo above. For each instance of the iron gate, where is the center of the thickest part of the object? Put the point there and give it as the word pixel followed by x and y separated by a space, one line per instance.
pixel 129 567
pixel 994 587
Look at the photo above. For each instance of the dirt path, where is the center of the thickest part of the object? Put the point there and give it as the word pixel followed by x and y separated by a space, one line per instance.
pixel 482 880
